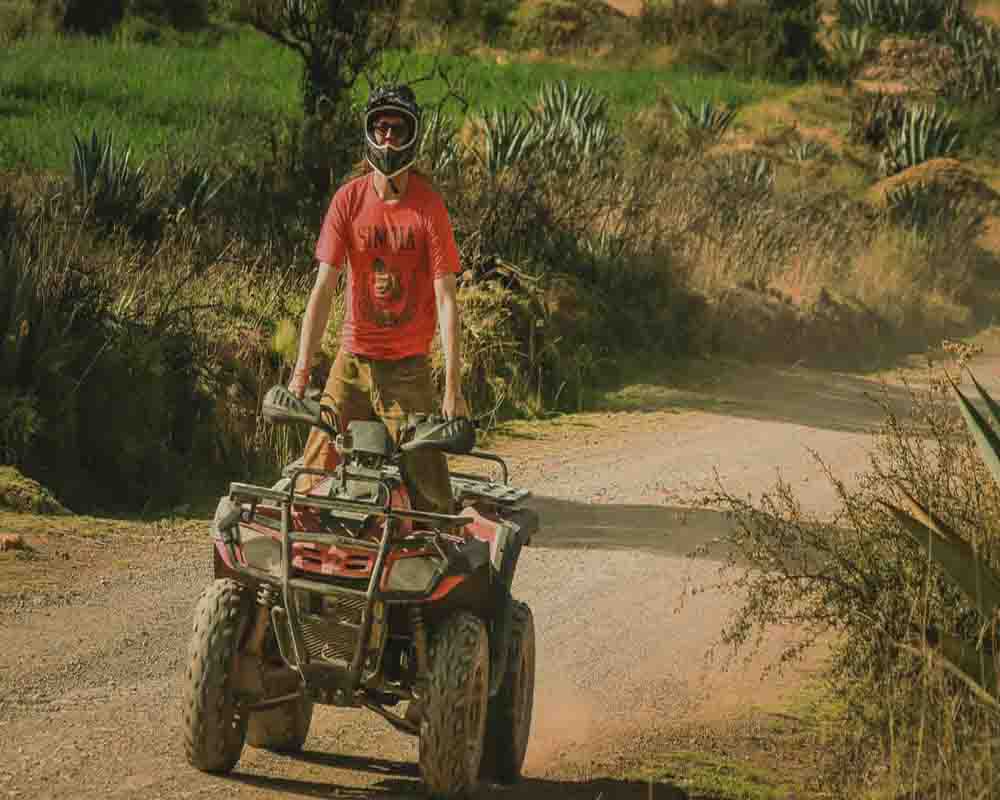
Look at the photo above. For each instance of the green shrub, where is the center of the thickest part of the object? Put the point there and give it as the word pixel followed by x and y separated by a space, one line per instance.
pixel 488 20
pixel 792 39
pixel 777 38
pixel 20 423
pixel 91 17
pixel 25 495
pixel 180 14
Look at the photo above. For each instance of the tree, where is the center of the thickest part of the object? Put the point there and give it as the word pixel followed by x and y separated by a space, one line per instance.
pixel 337 39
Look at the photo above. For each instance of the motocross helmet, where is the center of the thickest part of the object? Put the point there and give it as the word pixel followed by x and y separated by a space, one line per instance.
pixel 391 159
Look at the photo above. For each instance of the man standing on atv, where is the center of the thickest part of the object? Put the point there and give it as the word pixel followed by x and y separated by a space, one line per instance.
pixel 391 229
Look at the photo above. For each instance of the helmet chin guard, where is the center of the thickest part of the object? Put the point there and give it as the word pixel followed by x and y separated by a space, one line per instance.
pixel 392 159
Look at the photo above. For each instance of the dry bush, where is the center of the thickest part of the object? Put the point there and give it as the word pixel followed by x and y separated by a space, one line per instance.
pixel 125 360
pixel 567 238
pixel 555 25
pixel 794 270
pixel 855 581
pixel 775 37
pixel 18 19
pixel 724 217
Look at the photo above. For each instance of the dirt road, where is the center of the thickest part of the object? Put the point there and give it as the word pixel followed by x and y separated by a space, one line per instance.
pixel 90 668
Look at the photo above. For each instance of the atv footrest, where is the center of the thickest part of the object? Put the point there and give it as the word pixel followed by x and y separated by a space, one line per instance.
pixel 472 487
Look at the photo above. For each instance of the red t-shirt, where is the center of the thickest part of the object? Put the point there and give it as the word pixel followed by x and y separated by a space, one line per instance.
pixel 395 251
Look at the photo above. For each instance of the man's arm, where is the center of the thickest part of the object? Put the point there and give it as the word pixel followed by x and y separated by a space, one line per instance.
pixel 314 322
pixel 445 293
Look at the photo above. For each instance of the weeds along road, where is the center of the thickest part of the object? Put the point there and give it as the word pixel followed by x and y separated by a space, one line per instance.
pixel 90 672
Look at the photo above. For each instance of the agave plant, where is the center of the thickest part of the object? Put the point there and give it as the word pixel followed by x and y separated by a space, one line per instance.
pixel 957 557
pixel 894 16
pixel 576 120
pixel 806 150
pixel 509 138
pixel 873 116
pixel 439 142
pixel 924 133
pixel 104 177
pixel 706 118
pixel 975 74
pixel 855 42
pixel 195 190
pixel 561 105
pixel 861 13
pixel 568 145
pixel 747 171
pixel 923 206
pixel 850 48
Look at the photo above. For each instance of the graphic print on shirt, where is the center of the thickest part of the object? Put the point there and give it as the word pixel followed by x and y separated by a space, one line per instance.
pixel 385 299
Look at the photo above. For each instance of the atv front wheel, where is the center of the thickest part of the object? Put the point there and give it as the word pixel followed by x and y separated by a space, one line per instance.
pixel 454 722
pixel 214 729
pixel 282 729
pixel 508 723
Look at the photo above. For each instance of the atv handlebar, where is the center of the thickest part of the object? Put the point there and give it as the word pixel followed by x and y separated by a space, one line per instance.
pixel 283 407
pixel 422 431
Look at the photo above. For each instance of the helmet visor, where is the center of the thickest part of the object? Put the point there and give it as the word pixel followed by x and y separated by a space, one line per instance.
pixel 390 128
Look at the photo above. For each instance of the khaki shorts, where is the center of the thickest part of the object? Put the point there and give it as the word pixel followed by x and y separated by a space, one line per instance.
pixel 366 389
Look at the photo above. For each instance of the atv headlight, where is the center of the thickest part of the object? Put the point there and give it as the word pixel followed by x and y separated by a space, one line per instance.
pixel 261 552
pixel 414 574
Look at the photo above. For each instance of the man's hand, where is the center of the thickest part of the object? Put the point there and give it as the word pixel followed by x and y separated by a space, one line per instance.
pixel 299 381
pixel 454 404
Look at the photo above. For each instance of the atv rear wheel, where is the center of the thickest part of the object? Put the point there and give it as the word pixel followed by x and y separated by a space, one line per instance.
pixel 454 722
pixel 214 728
pixel 508 723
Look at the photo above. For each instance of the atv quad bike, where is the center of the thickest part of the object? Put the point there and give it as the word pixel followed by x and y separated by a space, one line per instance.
pixel 346 595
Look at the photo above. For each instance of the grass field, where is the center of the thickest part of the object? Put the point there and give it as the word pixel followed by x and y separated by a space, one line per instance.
pixel 220 101
pixel 155 98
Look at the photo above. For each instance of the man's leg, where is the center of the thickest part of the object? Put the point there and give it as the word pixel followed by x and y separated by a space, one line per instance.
pixel 404 387
pixel 348 388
